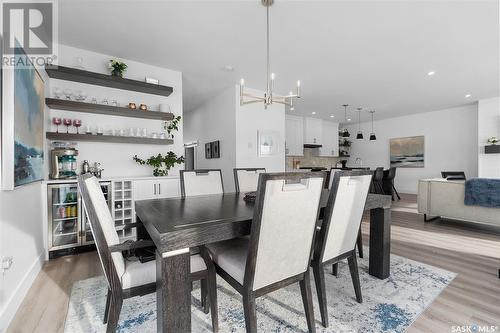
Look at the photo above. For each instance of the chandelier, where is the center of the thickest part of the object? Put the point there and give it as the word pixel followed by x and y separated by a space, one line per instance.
pixel 269 97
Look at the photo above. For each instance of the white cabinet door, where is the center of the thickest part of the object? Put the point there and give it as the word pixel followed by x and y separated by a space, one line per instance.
pixel 156 188
pixel 294 136
pixel 144 189
pixel 168 188
pixel 330 139
pixel 312 131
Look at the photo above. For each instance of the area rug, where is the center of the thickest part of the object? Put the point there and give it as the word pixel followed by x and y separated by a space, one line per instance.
pixel 389 305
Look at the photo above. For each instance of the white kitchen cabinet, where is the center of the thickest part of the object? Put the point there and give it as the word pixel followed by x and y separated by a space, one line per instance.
pixel 156 188
pixel 312 131
pixel 330 139
pixel 294 136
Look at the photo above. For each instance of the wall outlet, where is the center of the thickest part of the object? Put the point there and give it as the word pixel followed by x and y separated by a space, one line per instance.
pixel 7 263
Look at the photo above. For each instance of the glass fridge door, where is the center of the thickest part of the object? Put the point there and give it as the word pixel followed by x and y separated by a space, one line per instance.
pixel 64 226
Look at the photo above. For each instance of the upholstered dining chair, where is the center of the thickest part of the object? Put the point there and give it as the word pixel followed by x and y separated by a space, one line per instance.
pixel 132 278
pixel 359 242
pixel 336 239
pixel 378 175
pixel 247 179
pixel 286 205
pixel 201 182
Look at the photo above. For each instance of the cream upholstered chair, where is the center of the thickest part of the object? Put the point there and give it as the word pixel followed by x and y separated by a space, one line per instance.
pixel 247 179
pixel 201 182
pixel 263 263
pixel 359 241
pixel 338 234
pixel 132 278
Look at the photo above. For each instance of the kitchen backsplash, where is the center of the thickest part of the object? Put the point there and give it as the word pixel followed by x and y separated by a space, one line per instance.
pixel 311 159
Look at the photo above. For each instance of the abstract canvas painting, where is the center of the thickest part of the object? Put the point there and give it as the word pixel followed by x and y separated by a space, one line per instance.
pixel 28 124
pixel 408 152
pixel 267 143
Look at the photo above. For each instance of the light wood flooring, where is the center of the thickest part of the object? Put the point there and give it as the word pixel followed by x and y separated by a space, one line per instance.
pixel 473 297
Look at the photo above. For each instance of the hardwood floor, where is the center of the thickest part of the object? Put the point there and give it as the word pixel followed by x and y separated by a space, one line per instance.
pixel 472 252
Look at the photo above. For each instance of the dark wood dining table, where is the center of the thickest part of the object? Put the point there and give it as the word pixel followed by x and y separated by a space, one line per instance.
pixel 177 224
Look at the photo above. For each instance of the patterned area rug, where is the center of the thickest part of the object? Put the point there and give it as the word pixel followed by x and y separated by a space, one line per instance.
pixel 389 305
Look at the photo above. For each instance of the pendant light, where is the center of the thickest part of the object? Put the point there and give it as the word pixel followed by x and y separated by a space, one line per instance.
pixel 359 136
pixel 345 132
pixel 372 134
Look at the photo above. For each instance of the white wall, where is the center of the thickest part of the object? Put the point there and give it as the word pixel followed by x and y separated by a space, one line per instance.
pixel 488 126
pixel 250 119
pixel 222 118
pixel 214 120
pixel 450 144
pixel 116 159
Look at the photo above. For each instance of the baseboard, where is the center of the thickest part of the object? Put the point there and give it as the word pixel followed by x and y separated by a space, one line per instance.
pixel 13 303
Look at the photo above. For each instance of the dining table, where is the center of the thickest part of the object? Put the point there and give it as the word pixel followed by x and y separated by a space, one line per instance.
pixel 177 224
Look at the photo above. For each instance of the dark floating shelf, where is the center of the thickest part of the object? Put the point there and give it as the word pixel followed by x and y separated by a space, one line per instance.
pixel 106 138
pixel 67 105
pixel 78 75
pixel 492 149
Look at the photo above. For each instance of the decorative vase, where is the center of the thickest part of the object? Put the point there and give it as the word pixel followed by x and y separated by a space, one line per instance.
pixel 117 73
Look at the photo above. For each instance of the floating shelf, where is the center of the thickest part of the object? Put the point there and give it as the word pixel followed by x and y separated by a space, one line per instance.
pixel 492 149
pixel 67 105
pixel 82 76
pixel 106 138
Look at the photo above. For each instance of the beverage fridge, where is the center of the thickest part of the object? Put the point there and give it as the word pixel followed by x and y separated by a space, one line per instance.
pixel 68 224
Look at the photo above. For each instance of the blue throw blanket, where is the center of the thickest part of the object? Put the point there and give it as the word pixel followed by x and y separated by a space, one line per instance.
pixel 482 192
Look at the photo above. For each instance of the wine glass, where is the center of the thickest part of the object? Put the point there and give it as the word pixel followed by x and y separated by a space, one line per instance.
pixel 68 93
pixel 57 121
pixel 67 122
pixel 58 93
pixel 77 123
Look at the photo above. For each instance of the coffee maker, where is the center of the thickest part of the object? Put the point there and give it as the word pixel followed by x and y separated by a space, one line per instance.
pixel 63 163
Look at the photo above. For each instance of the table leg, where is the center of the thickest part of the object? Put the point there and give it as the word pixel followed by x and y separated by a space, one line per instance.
pixel 173 291
pixel 380 242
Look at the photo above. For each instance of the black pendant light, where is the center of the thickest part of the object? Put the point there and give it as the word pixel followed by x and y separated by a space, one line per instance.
pixel 345 132
pixel 359 136
pixel 372 134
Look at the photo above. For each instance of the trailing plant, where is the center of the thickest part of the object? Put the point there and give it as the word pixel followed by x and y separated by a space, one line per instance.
pixel 117 67
pixel 172 125
pixel 493 140
pixel 161 164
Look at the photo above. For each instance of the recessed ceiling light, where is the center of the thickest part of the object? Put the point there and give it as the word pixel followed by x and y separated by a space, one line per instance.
pixel 348 119
pixel 431 73
pixel 313 112
pixel 229 68
pixel 332 116
pixel 468 96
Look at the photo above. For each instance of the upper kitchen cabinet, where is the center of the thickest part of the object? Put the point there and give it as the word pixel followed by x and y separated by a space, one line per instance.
pixel 329 139
pixel 312 131
pixel 294 136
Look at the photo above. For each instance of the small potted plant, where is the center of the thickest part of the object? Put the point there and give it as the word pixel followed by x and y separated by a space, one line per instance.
pixel 493 140
pixel 171 126
pixel 117 67
pixel 161 163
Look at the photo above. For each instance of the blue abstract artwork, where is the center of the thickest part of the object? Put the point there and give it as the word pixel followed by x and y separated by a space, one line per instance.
pixel 28 123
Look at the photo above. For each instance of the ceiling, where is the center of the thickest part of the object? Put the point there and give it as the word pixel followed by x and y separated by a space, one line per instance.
pixel 370 54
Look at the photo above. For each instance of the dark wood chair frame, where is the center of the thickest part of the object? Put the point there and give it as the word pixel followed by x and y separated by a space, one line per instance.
pixel 246 290
pixel 198 171
pixel 116 294
pixel 235 173
pixel 317 261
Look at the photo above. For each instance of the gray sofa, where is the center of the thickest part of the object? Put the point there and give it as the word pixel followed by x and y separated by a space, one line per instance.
pixel 445 198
